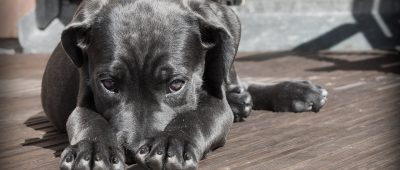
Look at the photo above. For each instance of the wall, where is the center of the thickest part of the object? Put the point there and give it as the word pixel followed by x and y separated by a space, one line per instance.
pixel 267 25
pixel 313 25
pixel 11 11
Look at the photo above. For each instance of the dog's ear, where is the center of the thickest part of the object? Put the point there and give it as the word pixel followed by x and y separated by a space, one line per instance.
pixel 75 38
pixel 220 34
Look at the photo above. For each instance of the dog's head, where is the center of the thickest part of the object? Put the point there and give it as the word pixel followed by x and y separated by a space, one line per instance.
pixel 147 56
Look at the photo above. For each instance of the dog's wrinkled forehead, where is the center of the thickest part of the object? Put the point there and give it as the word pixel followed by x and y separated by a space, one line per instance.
pixel 144 30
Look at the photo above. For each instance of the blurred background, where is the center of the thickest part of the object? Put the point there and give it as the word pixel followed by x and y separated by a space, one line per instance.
pixel 267 25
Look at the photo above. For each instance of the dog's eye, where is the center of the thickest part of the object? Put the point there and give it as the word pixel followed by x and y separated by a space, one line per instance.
pixel 110 85
pixel 176 85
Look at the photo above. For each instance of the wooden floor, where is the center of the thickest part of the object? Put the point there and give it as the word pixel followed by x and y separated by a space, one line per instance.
pixel 358 129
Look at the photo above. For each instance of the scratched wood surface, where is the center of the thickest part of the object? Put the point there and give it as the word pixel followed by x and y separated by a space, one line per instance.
pixel 358 129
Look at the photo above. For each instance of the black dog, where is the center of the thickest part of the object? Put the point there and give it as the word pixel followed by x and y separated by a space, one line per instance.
pixel 152 82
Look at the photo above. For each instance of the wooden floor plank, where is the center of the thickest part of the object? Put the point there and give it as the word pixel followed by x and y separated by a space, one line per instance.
pixel 359 128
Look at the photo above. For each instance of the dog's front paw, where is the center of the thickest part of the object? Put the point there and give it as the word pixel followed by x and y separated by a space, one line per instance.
pixel 240 102
pixel 92 155
pixel 168 152
pixel 299 96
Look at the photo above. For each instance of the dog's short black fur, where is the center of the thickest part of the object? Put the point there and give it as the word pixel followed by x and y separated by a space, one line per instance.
pixel 152 82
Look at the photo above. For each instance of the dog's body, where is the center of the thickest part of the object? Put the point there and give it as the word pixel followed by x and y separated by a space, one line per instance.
pixel 152 82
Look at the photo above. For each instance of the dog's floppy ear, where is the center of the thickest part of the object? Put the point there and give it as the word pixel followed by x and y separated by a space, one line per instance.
pixel 75 37
pixel 220 34
pixel 73 40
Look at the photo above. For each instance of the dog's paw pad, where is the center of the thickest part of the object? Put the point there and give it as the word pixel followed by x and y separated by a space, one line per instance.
pixel 85 154
pixel 240 102
pixel 324 96
pixel 302 96
pixel 167 152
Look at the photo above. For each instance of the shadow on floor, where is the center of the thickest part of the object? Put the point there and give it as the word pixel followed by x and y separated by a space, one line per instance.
pixel 52 139
pixel 386 62
pixel 379 27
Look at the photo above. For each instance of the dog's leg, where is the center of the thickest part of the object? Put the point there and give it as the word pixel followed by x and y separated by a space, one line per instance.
pixel 285 96
pixel 288 96
pixel 188 137
pixel 238 97
pixel 60 86
pixel 93 144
